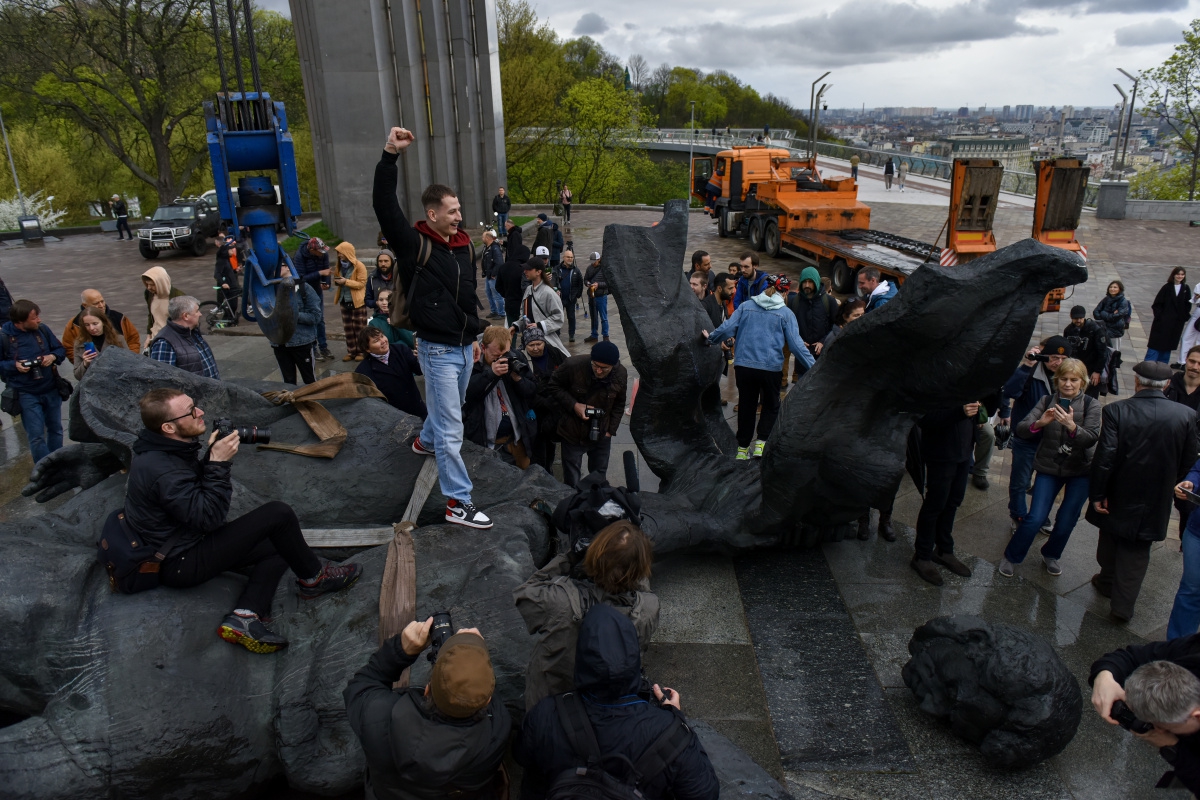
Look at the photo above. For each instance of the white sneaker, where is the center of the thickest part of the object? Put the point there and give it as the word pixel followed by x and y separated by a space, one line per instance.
pixel 1006 567
pixel 466 514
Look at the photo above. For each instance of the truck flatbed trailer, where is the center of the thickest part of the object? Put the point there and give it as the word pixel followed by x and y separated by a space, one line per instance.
pixel 847 251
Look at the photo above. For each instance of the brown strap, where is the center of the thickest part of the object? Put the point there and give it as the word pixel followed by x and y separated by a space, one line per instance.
pixel 398 591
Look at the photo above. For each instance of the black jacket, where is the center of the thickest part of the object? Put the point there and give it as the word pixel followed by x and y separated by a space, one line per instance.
pixel 378 282
pixel 1171 312
pixel 814 315
pixel 395 379
pixel 170 488
pixel 947 435
pixel 1177 391
pixel 511 274
pixel 493 258
pixel 309 266
pixel 501 204
pixel 443 303
pixel 223 271
pixel 413 752
pixel 608 669
pixel 574 382
pixel 1089 344
pixel 544 403
pixel 1147 444
pixel 1184 651
pixel 595 274
pixel 715 309
pixel 520 393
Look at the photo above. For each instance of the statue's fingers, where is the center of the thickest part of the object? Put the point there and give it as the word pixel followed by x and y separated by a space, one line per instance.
pixel 54 491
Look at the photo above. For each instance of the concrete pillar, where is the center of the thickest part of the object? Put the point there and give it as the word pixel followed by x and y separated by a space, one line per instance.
pixel 1110 201
pixel 366 66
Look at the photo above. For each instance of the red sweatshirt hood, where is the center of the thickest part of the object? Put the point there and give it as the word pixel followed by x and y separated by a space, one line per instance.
pixel 459 239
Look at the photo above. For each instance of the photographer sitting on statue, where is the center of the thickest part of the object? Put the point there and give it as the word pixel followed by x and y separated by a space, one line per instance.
pixel 177 501
pixel 445 740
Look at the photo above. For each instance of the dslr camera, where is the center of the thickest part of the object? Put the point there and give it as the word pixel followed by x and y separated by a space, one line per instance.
pixel 1125 717
pixel 34 365
pixel 247 434
pixel 443 629
pixel 594 416
pixel 1042 357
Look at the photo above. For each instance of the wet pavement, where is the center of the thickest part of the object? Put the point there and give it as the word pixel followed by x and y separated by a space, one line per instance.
pixel 797 656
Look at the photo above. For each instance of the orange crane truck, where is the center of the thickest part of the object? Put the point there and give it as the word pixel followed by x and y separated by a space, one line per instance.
pixel 781 204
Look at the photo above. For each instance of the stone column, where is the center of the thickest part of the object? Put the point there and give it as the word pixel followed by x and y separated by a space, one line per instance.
pixel 431 67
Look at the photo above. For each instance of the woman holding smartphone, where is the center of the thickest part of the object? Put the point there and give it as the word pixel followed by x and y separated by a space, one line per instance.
pixel 98 332
pixel 1067 423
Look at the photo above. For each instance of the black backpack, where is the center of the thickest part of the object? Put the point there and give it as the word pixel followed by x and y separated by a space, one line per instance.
pixel 593 781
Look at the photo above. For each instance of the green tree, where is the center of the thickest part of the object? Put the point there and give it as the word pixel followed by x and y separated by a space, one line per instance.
pixel 134 73
pixel 1174 99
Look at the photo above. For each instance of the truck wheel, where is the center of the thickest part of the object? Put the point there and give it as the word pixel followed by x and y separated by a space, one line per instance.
pixel 843 277
pixel 722 229
pixel 755 237
pixel 147 251
pixel 199 244
pixel 771 240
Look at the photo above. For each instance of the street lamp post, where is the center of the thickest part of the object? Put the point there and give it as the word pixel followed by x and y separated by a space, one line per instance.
pixel 1129 122
pixel 1112 173
pixel 812 94
pixel 691 153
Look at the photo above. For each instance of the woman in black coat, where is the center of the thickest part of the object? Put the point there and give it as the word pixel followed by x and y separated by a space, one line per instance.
pixel 1172 307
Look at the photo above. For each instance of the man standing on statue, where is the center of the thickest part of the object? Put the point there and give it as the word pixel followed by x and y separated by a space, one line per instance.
pixel 435 260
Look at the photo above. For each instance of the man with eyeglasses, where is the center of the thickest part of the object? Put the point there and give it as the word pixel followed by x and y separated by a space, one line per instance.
pixel 590 390
pixel 178 500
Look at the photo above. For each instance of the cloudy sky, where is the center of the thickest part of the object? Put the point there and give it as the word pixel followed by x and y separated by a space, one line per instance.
pixel 944 53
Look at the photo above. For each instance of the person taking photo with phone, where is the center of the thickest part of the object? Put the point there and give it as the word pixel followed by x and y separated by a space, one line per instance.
pixel 1067 423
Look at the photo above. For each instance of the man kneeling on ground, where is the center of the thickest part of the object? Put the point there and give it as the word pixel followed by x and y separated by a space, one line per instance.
pixel 446 740
pixel 177 500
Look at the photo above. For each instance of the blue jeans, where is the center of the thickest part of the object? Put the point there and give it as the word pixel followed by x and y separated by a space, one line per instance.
pixel 495 299
pixel 1045 489
pixel 322 344
pixel 447 370
pixel 1161 356
pixel 41 416
pixel 500 220
pixel 601 315
pixel 1023 452
pixel 1185 614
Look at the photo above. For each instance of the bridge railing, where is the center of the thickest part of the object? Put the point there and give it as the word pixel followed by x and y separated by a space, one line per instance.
pixel 920 164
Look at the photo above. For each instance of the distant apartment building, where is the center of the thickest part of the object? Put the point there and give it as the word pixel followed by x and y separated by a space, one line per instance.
pixel 1023 113
pixel 1012 152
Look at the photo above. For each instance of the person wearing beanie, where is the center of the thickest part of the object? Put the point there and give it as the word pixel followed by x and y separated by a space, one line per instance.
pixel 582 386
pixel 761 326
pixel 815 311
pixel 444 740
pixel 1089 344
pixel 382 278
pixel 627 718
pixel 543 361
pixel 1032 380
pixel 541 306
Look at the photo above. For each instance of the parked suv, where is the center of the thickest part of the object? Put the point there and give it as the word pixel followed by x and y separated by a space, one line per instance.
pixel 186 224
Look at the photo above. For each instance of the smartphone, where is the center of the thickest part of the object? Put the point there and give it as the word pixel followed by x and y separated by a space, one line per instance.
pixel 88 347
pixel 1064 404
pixel 1191 497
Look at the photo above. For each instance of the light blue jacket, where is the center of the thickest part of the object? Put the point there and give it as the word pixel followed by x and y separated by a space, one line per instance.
pixel 762 325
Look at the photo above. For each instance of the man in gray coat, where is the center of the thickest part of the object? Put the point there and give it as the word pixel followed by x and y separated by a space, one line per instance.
pixel 1147 443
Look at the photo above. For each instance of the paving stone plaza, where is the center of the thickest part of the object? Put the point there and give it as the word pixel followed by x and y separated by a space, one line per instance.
pixel 796 655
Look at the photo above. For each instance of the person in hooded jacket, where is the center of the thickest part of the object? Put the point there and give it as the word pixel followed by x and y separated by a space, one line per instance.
pixel 311 261
pixel 761 326
pixel 443 310
pixel 510 278
pixel 616 571
pixel 625 718
pixel 350 296
pixel 225 275
pixel 815 311
pixel 446 740
pixel 158 293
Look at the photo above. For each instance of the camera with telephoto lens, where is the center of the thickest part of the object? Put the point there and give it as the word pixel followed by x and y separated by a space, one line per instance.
pixel 247 434
pixel 594 415
pixel 1042 357
pixel 1125 717
pixel 442 630
pixel 34 365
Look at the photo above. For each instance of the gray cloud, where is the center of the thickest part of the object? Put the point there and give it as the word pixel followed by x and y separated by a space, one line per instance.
pixel 1093 6
pixel 590 24
pixel 859 32
pixel 1157 31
